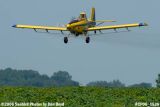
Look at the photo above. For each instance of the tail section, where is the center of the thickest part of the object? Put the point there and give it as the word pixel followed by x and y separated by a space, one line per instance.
pixel 93 17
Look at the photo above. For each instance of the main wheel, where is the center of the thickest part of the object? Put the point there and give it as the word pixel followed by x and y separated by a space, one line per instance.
pixel 87 39
pixel 66 40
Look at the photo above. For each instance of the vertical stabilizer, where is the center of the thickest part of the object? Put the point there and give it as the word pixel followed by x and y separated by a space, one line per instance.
pixel 93 16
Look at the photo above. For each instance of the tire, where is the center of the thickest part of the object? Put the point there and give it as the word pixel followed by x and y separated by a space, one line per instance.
pixel 87 39
pixel 65 40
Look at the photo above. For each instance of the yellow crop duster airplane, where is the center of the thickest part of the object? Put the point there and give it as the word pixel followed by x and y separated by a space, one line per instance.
pixel 81 26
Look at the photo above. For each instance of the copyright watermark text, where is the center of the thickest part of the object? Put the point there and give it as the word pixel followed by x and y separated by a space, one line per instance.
pixel 29 104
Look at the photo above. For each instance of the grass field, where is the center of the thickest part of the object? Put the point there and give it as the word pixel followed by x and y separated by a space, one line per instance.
pixel 81 96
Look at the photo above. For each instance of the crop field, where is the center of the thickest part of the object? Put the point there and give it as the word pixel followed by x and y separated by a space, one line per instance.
pixel 80 96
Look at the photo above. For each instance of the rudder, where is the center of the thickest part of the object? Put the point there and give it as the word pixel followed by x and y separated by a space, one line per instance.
pixel 93 16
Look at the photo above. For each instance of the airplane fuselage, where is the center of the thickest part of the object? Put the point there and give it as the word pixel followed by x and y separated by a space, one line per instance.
pixel 80 27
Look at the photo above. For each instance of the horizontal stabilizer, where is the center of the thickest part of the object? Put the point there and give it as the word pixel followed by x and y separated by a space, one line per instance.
pixel 105 21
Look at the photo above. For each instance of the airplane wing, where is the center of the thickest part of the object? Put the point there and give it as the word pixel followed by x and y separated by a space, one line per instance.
pixel 116 26
pixel 41 27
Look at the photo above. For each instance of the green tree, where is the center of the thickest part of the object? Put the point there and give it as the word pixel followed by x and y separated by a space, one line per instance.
pixel 114 83
pixel 12 77
pixel 158 81
pixel 63 78
pixel 98 83
pixel 143 85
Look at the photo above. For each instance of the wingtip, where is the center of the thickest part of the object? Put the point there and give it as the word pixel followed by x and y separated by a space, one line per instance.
pixel 14 26
pixel 146 24
pixel 143 24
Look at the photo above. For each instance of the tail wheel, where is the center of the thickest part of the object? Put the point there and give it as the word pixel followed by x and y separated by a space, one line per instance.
pixel 77 34
pixel 87 39
pixel 66 40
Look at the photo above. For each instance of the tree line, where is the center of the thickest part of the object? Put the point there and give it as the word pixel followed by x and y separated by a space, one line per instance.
pixel 13 77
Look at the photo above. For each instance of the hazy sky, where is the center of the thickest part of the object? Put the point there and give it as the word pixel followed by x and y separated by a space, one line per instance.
pixel 131 57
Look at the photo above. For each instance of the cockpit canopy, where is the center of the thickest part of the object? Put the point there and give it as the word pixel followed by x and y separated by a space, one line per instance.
pixel 82 16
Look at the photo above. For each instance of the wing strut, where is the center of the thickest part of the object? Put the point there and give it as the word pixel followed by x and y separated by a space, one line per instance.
pixel 100 31
pixel 47 31
pixel 115 30
pixel 128 29
pixel 62 32
pixel 35 30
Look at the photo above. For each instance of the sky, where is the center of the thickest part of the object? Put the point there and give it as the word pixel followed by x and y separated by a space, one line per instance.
pixel 132 57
